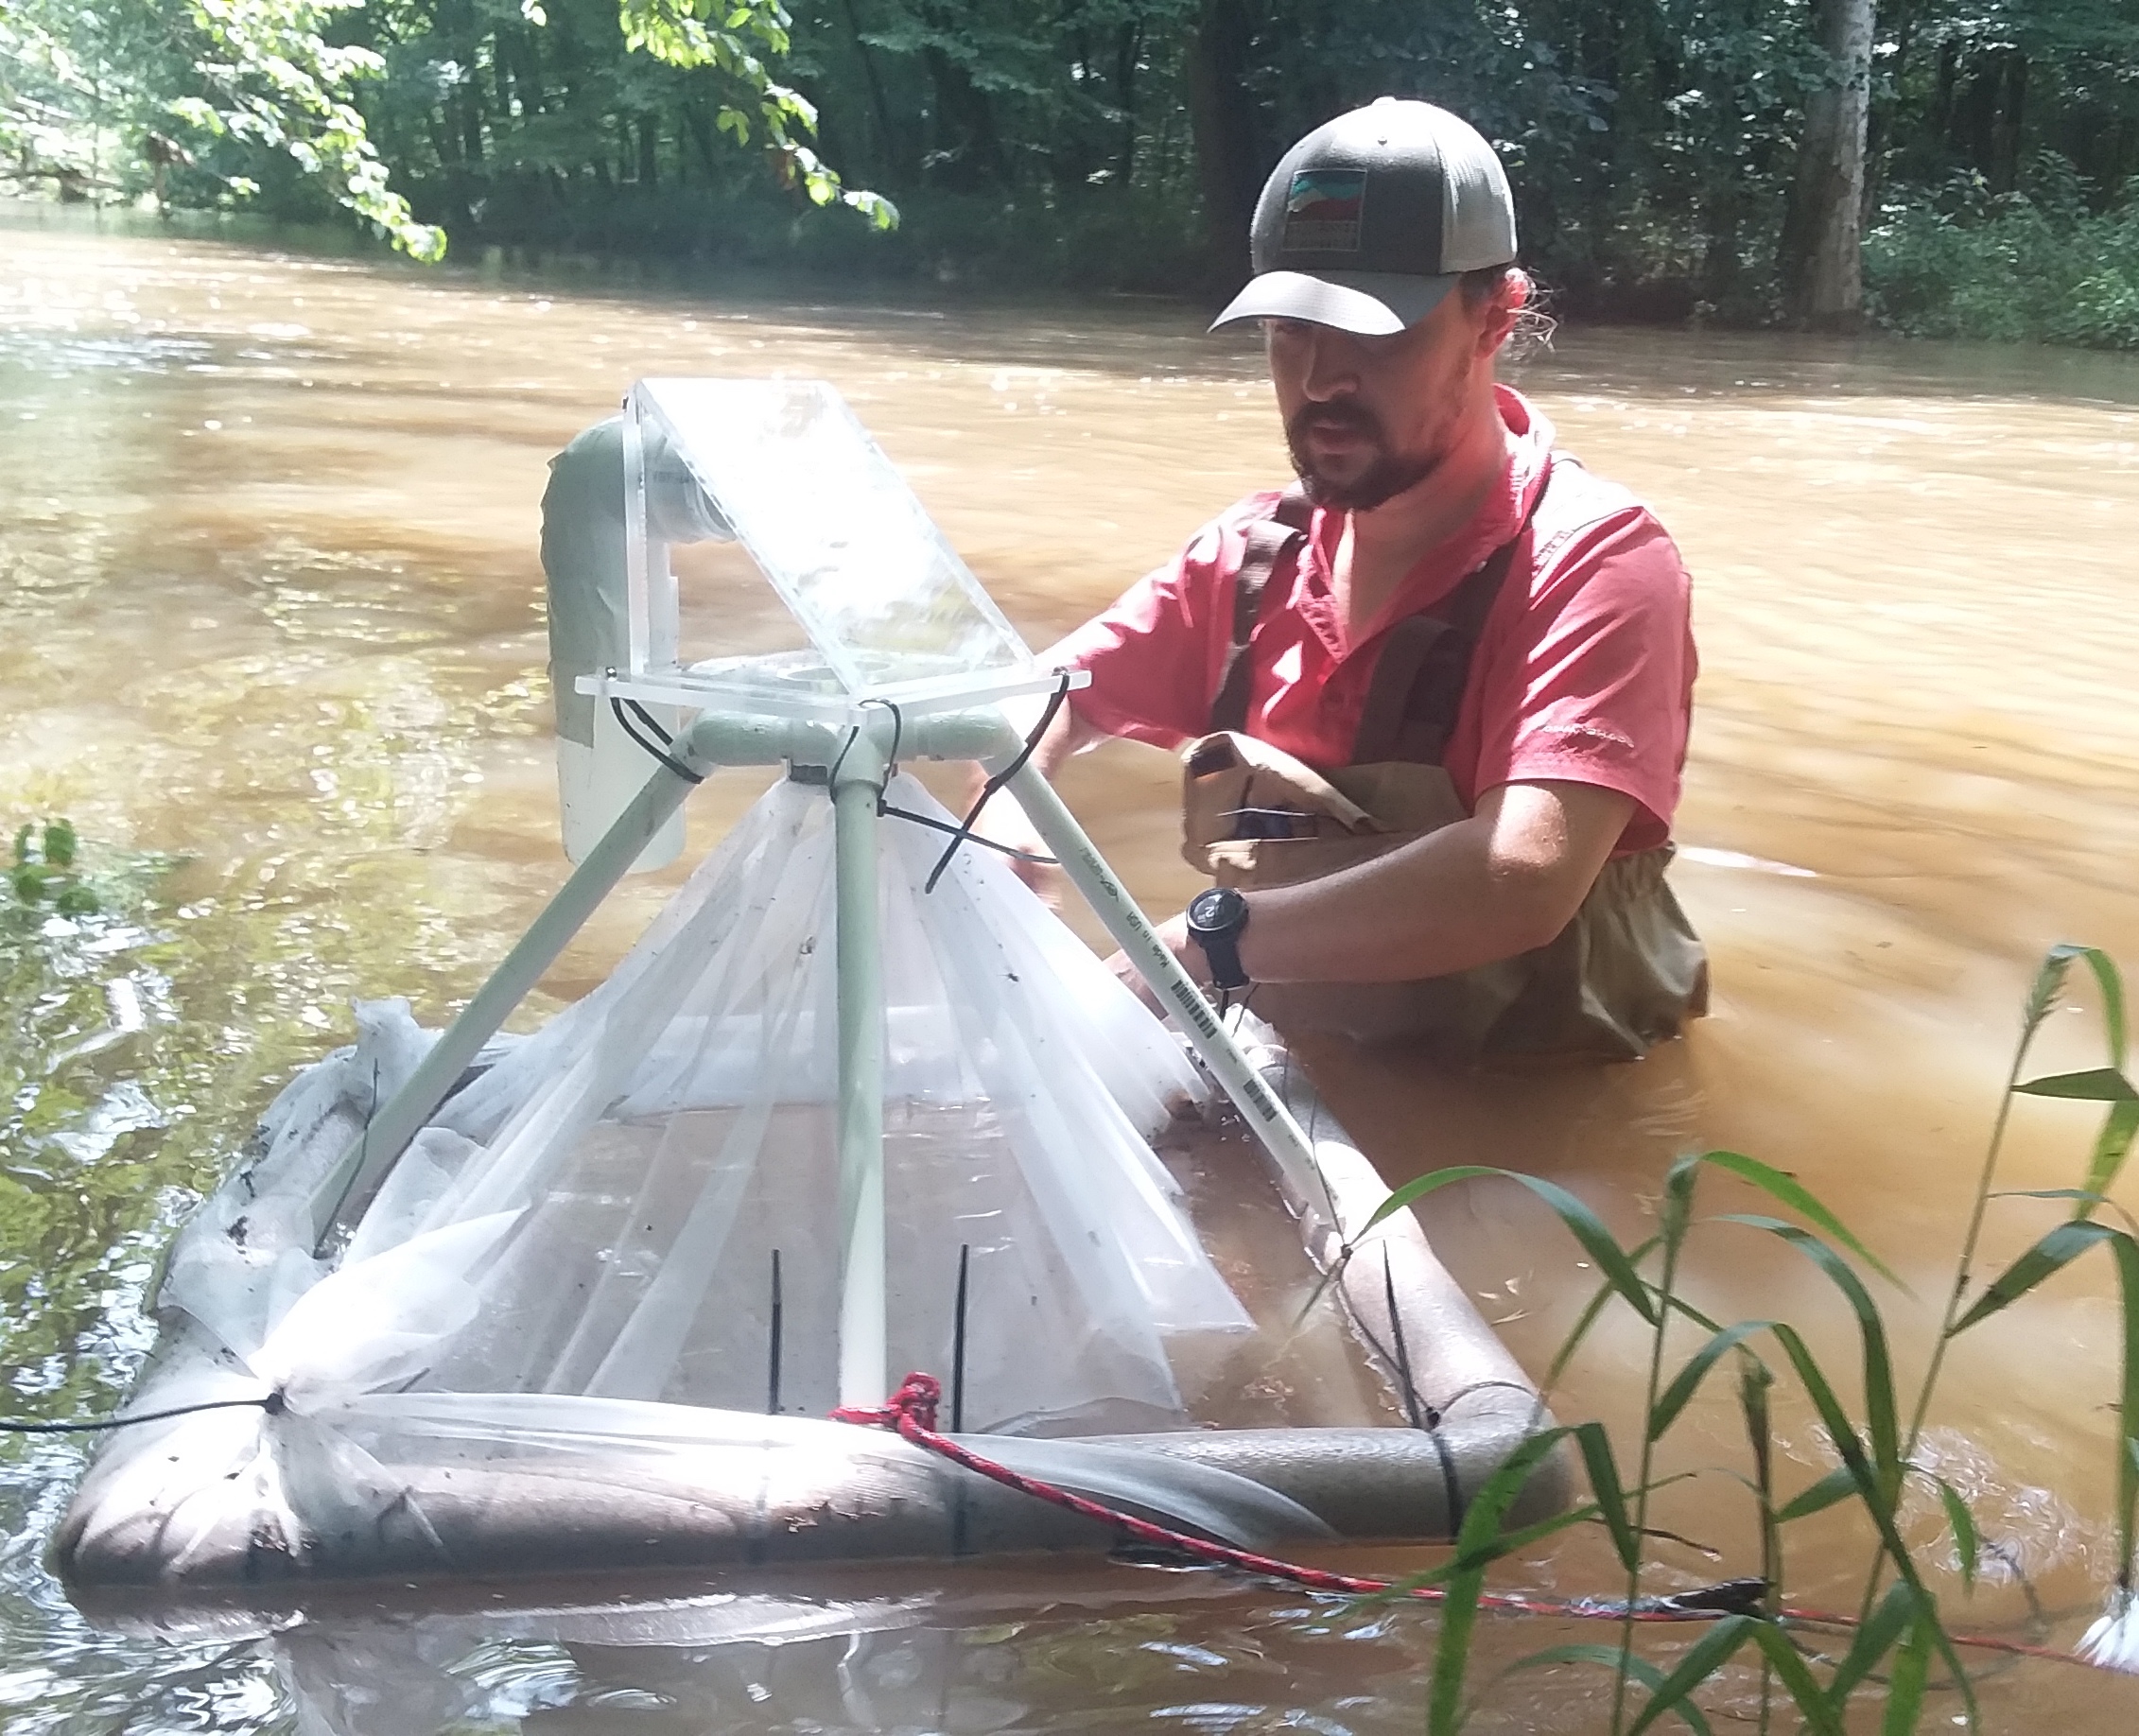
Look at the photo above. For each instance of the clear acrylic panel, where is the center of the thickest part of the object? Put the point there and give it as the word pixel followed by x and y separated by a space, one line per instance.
pixel 833 527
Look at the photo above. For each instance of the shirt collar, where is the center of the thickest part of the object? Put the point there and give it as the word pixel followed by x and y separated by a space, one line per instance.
pixel 1445 567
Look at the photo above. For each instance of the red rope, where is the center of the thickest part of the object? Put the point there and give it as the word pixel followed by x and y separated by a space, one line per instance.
pixel 911 1413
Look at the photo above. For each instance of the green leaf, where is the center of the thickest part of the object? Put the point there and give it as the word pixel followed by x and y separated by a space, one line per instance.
pixel 1708 1654
pixel 1609 1658
pixel 1582 1224
pixel 2054 1252
pixel 1587 1318
pixel 1480 1532
pixel 1965 1543
pixel 1881 1423
pixel 1909 1677
pixel 1820 1718
pixel 1800 1199
pixel 2111 986
pixel 1675 1396
pixel 1873 1638
pixel 1612 1496
pixel 1837 1485
pixel 2086 1195
pixel 2112 1145
pixel 2101 1084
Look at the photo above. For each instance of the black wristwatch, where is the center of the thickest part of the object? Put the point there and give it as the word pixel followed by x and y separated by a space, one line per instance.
pixel 1216 920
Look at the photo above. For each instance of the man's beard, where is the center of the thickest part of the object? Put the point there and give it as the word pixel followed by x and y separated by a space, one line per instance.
pixel 1383 480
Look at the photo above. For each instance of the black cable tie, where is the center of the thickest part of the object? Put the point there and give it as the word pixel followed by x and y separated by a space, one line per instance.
pixel 964 833
pixel 651 722
pixel 272 1403
pixel 949 826
pixel 677 766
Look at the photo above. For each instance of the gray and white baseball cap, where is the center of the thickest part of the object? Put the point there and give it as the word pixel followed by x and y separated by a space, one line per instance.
pixel 1368 221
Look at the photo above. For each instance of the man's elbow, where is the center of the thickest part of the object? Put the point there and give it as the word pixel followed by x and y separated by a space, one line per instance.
pixel 1534 901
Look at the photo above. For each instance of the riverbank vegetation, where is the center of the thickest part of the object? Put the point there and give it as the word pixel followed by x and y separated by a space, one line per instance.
pixel 1941 167
pixel 1903 1636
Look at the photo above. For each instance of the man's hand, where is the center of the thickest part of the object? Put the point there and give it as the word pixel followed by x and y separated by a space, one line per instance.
pixel 1175 933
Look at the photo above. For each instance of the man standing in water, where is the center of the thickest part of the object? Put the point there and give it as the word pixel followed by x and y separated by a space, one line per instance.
pixel 1435 695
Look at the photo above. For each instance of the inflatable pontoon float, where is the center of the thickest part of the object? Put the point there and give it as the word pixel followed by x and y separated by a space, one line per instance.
pixel 581 1302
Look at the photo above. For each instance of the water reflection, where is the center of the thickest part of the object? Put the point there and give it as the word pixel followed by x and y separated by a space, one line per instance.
pixel 270 609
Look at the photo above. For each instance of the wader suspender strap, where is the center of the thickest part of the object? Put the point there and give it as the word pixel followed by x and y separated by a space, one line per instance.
pixel 1419 678
pixel 1269 541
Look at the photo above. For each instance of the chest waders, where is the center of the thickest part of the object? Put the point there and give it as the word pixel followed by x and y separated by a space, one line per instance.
pixel 1624 974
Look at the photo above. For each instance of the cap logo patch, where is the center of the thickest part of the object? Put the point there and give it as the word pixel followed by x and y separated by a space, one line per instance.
pixel 1322 211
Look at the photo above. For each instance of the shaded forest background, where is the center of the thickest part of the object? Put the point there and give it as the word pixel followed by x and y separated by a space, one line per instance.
pixel 1672 159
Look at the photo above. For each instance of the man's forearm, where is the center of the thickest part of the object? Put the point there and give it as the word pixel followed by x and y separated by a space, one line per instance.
pixel 1503 881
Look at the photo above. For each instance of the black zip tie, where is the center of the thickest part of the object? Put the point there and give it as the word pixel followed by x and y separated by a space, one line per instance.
pixel 272 1403
pixel 773 1350
pixel 677 766
pixel 964 832
pixel 1435 1413
pixel 954 831
pixel 958 1341
pixel 1426 1418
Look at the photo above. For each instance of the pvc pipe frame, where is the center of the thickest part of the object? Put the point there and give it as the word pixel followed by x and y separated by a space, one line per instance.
pixel 859 764
pixel 857 786
pixel 714 739
pixel 1281 1136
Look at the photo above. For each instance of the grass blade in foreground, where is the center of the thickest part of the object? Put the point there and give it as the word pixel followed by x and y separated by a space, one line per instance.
pixel 1800 1199
pixel 1477 1540
pixel 1582 1224
pixel 1609 1658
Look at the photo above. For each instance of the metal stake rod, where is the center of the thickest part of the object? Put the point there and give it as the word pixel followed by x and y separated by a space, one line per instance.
pixel 857 787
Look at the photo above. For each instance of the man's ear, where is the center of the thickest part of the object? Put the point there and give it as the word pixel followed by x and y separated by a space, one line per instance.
pixel 1510 296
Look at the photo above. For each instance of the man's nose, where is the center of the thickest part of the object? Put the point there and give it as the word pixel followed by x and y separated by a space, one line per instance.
pixel 1332 365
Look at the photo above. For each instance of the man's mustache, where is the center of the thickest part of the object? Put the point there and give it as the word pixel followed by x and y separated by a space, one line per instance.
pixel 1340 415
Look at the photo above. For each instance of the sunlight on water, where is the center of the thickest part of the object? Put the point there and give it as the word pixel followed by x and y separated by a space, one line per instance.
pixel 270 614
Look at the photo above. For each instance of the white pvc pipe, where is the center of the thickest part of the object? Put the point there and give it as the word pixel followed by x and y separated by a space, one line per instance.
pixel 1289 1146
pixel 864 1375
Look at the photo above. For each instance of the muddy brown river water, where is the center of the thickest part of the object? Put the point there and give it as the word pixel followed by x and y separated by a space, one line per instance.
pixel 271 633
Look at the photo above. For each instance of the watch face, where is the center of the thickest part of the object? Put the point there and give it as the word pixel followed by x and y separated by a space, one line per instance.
pixel 1214 910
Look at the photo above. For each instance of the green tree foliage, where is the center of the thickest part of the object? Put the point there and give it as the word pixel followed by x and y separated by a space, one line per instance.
pixel 211 101
pixel 1654 144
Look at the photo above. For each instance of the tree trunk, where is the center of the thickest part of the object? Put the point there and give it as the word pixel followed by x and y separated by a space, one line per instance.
pixel 1823 265
pixel 2012 85
pixel 1128 44
pixel 1222 126
pixel 890 139
pixel 969 151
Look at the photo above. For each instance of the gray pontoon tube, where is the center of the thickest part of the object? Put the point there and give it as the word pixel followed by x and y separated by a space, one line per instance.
pixel 729 1492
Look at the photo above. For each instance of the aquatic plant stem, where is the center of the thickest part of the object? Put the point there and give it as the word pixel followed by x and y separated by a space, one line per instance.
pixel 1677 1189
pixel 1964 1271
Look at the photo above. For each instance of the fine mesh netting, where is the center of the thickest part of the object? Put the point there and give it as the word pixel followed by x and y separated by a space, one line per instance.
pixel 596 1214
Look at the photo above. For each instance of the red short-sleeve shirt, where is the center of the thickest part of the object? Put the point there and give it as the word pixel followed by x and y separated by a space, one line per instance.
pixel 1584 675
